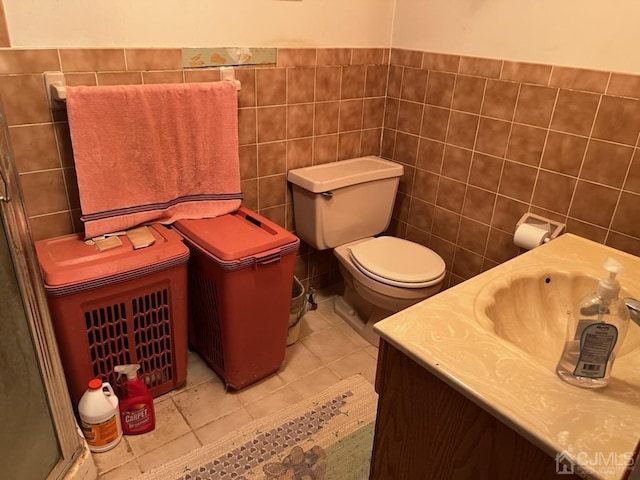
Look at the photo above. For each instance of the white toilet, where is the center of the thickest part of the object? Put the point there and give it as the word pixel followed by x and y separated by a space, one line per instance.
pixel 342 206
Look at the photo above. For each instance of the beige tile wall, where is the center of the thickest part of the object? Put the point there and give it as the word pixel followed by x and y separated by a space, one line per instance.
pixel 314 106
pixel 484 141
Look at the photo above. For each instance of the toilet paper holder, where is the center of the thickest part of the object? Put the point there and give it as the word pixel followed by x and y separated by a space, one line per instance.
pixel 554 228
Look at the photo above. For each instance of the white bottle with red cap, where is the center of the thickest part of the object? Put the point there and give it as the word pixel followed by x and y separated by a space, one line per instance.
pixel 99 416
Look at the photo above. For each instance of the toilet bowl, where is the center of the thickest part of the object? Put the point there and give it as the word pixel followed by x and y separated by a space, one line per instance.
pixel 345 206
pixel 382 276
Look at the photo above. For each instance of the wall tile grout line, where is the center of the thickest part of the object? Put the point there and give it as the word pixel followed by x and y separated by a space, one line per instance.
pixel 563 79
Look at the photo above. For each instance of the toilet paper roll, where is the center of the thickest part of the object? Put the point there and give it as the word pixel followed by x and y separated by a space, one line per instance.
pixel 529 236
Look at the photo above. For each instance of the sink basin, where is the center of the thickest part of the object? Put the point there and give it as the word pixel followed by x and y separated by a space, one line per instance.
pixel 530 309
pixel 496 339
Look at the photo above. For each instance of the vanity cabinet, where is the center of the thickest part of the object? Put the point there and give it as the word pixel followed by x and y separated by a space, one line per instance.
pixel 426 430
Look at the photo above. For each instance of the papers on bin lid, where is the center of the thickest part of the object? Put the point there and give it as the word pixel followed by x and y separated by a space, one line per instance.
pixel 104 243
pixel 140 237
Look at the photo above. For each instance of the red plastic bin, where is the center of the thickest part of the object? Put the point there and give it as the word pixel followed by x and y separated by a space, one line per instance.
pixel 118 307
pixel 240 279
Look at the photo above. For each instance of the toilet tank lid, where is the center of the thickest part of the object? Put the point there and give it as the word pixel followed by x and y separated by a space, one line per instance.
pixel 329 176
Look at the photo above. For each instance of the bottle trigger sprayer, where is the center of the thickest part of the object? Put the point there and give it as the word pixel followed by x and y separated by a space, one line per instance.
pixel 136 409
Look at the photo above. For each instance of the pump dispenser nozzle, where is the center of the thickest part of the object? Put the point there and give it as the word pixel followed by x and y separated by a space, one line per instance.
pixel 131 371
pixel 609 288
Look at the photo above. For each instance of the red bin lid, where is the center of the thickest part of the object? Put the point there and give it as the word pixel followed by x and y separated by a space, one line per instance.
pixel 68 260
pixel 235 235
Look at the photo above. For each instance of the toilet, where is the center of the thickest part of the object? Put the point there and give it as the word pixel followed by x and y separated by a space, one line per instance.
pixel 344 206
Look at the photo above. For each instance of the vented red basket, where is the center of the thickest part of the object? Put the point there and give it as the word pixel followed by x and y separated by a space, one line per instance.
pixel 118 307
pixel 240 280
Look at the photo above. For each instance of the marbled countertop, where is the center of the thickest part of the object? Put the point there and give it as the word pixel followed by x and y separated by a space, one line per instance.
pixel 597 429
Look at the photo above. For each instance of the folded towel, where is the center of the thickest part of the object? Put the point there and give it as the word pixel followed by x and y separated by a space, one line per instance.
pixel 154 153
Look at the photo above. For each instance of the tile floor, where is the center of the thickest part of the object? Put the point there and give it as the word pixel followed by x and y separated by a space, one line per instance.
pixel 327 351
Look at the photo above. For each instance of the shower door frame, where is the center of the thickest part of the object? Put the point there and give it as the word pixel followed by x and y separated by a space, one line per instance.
pixel 36 311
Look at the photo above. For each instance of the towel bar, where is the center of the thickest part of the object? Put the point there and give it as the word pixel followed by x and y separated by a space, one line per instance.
pixel 228 74
pixel 58 91
pixel 56 86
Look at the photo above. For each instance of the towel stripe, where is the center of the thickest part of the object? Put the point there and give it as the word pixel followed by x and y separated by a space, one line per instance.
pixel 205 197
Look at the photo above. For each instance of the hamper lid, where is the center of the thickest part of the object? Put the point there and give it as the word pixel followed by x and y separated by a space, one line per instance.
pixel 236 235
pixel 68 260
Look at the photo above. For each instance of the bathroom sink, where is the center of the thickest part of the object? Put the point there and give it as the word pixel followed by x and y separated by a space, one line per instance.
pixel 496 339
pixel 530 308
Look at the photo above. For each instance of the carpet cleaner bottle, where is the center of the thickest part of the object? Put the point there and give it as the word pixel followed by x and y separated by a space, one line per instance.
pixel 597 326
pixel 99 416
pixel 136 408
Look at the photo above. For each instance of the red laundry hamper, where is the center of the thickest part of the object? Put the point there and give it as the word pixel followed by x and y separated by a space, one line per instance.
pixel 118 307
pixel 240 280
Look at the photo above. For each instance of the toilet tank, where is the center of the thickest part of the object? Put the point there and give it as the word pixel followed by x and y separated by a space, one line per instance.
pixel 336 203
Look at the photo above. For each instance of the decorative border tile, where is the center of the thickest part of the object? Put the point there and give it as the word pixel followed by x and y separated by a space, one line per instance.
pixel 227 56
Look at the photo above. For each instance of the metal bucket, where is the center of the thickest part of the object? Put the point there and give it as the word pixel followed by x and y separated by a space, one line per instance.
pixel 296 311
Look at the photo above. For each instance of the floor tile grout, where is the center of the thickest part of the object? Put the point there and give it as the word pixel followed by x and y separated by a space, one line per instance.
pixel 199 398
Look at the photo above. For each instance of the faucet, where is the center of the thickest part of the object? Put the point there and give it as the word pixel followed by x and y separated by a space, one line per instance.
pixel 634 308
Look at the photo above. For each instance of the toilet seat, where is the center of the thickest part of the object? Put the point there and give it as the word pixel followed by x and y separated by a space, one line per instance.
pixel 398 262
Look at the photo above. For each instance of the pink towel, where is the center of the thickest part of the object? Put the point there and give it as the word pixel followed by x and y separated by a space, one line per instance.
pixel 154 153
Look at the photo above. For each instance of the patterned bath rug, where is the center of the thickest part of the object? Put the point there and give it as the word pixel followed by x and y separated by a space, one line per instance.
pixel 326 437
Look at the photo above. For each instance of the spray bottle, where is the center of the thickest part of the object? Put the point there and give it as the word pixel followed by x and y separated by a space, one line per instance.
pixel 136 408
pixel 596 329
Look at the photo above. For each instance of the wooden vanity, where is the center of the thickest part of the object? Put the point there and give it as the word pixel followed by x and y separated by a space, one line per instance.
pixel 427 430
pixel 459 401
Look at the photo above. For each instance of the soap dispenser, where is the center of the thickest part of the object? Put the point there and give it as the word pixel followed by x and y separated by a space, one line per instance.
pixel 595 331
